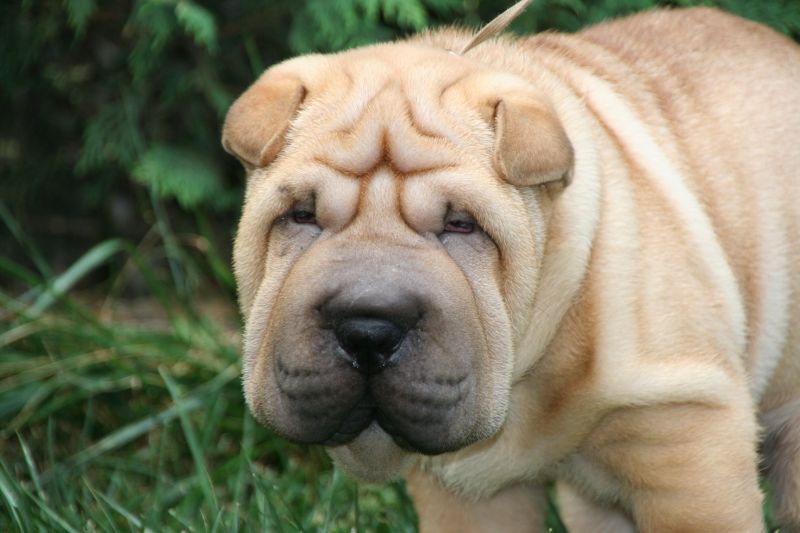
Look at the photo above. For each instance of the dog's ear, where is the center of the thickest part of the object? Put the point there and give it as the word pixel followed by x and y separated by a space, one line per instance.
pixel 257 122
pixel 531 146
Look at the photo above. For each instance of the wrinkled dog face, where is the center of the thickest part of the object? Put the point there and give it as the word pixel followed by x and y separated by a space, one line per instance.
pixel 389 245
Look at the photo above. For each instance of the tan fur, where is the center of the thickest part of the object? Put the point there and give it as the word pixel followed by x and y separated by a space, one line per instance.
pixel 512 509
pixel 582 514
pixel 637 306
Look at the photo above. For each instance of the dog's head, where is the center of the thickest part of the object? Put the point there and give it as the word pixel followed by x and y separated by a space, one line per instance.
pixel 390 246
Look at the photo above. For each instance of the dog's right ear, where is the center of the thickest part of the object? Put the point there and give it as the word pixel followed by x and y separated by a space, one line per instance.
pixel 256 125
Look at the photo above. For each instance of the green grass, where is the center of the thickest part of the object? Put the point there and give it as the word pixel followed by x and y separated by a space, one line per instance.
pixel 110 427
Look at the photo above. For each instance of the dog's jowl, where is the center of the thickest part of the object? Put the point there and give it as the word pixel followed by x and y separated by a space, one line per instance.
pixel 558 257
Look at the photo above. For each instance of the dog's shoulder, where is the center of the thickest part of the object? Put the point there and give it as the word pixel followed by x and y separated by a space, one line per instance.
pixel 688 35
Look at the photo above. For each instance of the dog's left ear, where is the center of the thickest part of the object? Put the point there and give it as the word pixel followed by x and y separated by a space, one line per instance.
pixel 256 125
pixel 531 146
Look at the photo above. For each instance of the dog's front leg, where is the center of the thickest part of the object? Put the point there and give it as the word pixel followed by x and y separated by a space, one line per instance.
pixel 515 509
pixel 688 467
pixel 582 515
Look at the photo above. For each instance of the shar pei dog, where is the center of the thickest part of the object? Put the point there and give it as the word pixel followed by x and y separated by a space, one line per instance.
pixel 557 257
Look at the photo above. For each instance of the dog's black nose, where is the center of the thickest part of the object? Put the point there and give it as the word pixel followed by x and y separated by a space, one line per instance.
pixel 370 324
pixel 370 342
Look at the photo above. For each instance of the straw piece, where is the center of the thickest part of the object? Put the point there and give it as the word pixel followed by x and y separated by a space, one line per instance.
pixel 498 24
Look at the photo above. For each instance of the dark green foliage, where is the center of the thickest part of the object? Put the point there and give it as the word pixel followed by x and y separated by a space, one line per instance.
pixel 99 91
pixel 330 25
pixel 182 173
pixel 110 135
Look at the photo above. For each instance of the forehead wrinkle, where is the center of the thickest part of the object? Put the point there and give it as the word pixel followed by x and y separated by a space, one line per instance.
pixel 411 150
pixel 391 120
pixel 320 160
pixel 426 107
pixel 420 172
pixel 367 105
pixel 356 148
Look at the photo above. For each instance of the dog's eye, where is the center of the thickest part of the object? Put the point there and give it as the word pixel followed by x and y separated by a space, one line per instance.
pixel 300 216
pixel 459 226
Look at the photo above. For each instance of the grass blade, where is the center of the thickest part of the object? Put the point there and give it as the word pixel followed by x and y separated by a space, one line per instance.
pixel 50 512
pixel 264 492
pixel 18 272
pixel 10 496
pixel 97 255
pixel 245 456
pixel 116 506
pixel 335 477
pixel 17 333
pixel 16 230
pixel 34 473
pixel 194 445
pixel 356 513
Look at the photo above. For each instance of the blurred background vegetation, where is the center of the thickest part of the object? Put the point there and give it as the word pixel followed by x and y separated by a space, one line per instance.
pixel 120 402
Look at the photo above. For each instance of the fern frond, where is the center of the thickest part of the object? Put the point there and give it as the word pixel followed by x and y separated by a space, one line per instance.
pixel 198 23
pixel 407 14
pixel 179 173
pixel 107 139
pixel 79 12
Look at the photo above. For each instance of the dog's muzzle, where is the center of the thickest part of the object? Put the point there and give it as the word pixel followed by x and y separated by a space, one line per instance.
pixel 375 351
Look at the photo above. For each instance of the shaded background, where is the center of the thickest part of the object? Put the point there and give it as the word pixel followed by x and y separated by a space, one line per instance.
pixel 120 405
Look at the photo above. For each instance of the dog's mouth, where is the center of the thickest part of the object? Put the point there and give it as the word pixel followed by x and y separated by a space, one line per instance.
pixel 414 420
pixel 427 414
pixel 356 421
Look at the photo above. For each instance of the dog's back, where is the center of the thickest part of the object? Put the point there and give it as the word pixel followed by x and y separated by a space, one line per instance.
pixel 725 93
